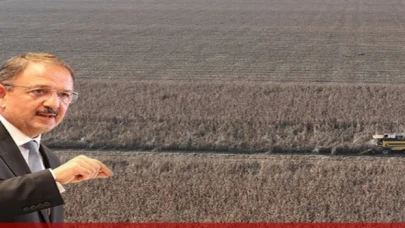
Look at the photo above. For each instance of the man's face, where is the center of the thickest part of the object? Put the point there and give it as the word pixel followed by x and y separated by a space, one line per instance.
pixel 26 109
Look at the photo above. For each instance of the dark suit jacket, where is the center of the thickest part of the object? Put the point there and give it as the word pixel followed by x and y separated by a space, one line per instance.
pixel 25 196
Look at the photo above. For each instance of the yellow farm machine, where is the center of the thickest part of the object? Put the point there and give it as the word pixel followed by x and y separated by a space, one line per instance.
pixel 389 143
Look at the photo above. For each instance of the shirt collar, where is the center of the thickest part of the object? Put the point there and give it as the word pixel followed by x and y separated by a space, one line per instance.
pixel 18 136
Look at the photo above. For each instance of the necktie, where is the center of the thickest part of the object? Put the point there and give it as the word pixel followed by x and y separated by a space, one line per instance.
pixel 34 159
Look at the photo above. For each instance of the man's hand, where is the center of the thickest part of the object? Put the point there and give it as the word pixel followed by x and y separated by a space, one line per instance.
pixel 81 168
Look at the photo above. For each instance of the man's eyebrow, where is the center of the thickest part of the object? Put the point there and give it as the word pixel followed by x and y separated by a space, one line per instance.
pixel 37 85
pixel 45 86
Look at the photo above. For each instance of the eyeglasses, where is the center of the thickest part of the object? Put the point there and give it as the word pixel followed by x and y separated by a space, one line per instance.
pixel 43 92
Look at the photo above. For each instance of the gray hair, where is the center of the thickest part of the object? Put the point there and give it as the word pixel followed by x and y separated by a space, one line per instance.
pixel 14 66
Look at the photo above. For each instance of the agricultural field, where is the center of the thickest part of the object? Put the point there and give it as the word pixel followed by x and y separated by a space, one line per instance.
pixel 238 118
pixel 226 110
pixel 209 187
pixel 228 40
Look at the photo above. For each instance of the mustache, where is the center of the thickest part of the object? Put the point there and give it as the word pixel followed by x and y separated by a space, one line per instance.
pixel 48 111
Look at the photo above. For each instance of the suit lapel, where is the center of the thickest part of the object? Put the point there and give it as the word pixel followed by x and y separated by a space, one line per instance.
pixel 44 152
pixel 11 154
pixel 48 164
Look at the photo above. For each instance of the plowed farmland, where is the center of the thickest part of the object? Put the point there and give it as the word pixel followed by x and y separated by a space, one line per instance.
pixel 245 92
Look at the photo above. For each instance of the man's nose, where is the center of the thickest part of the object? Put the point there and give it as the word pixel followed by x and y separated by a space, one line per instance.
pixel 52 101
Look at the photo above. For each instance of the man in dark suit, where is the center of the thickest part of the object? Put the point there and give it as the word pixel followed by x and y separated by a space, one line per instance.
pixel 36 90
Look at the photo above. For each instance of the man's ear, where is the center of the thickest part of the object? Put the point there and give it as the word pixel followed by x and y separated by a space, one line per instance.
pixel 3 92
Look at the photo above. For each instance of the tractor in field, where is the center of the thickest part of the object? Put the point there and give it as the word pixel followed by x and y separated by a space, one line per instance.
pixel 388 143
